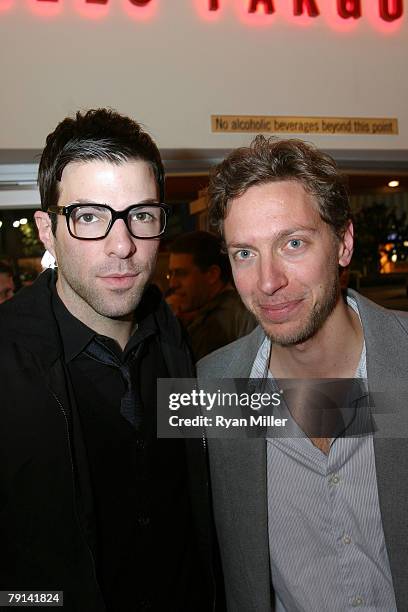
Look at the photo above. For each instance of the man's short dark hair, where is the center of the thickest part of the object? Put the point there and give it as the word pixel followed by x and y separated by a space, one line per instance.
pixel 271 159
pixel 206 249
pixel 96 135
pixel 5 268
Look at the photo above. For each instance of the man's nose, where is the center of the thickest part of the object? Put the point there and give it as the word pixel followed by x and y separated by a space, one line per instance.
pixel 173 282
pixel 119 242
pixel 272 274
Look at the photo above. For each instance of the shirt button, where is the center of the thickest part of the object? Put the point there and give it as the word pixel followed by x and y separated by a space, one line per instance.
pixel 346 539
pixel 335 479
pixel 357 601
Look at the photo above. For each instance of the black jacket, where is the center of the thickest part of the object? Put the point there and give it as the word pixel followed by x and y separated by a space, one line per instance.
pixel 46 506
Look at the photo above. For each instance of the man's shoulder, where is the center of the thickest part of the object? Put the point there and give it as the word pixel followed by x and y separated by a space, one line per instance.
pixel 376 317
pixel 386 341
pixel 31 306
pixel 27 324
pixel 234 359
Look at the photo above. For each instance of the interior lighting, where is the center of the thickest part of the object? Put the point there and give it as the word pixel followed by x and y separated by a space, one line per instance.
pixel 394 257
pixel 393 184
pixel 1 223
pixel 405 241
pixel 23 221
pixel 16 223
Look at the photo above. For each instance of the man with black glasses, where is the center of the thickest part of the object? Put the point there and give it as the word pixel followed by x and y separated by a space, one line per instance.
pixel 90 502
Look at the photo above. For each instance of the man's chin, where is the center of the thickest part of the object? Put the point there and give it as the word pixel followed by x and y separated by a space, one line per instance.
pixel 186 309
pixel 120 306
pixel 277 331
pixel 293 333
pixel 287 340
pixel 284 336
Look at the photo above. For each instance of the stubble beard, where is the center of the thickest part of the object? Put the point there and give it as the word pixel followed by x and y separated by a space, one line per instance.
pixel 108 303
pixel 314 322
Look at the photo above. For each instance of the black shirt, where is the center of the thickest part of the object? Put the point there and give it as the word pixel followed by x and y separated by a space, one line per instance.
pixel 142 510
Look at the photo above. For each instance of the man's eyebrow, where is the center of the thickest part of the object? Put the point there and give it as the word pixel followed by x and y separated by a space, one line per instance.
pixel 147 201
pixel 90 201
pixel 278 236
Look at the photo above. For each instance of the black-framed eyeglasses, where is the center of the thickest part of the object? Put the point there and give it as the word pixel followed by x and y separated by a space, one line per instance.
pixel 89 221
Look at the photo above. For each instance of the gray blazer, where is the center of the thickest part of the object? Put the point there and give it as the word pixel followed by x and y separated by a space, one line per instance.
pixel 238 466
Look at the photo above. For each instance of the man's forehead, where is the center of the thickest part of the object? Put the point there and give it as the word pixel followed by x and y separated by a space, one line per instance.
pixel 107 182
pixel 273 208
pixel 283 192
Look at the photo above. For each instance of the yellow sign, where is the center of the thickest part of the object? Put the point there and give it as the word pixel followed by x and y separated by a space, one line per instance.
pixel 304 125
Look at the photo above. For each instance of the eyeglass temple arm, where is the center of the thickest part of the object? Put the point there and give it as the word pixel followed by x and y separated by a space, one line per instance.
pixel 56 210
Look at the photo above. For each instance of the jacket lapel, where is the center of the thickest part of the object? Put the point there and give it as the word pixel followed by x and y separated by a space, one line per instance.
pixel 241 465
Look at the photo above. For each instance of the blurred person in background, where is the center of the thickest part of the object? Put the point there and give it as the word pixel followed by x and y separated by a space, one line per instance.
pixel 202 295
pixel 6 282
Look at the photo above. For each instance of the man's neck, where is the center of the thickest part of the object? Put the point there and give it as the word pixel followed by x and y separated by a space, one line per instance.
pixel 333 352
pixel 118 329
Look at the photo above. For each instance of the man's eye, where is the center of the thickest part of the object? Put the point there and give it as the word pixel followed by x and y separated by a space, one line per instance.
pixel 295 243
pixel 87 218
pixel 242 254
pixel 142 217
pixel 89 214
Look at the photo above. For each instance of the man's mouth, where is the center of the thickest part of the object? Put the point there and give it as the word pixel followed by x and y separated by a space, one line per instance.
pixel 278 313
pixel 119 281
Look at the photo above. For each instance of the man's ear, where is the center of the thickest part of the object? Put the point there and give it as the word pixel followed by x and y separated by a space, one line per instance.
pixel 346 246
pixel 43 222
pixel 213 274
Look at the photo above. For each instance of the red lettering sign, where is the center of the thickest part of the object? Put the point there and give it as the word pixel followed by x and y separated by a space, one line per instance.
pixel 349 8
pixel 388 10
pixel 134 2
pixel 310 6
pixel 267 4
pixel 391 9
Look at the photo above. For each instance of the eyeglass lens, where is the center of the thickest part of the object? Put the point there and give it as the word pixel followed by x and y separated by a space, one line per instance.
pixel 91 221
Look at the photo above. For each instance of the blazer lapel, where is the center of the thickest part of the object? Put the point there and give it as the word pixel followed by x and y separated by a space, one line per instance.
pixel 239 479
